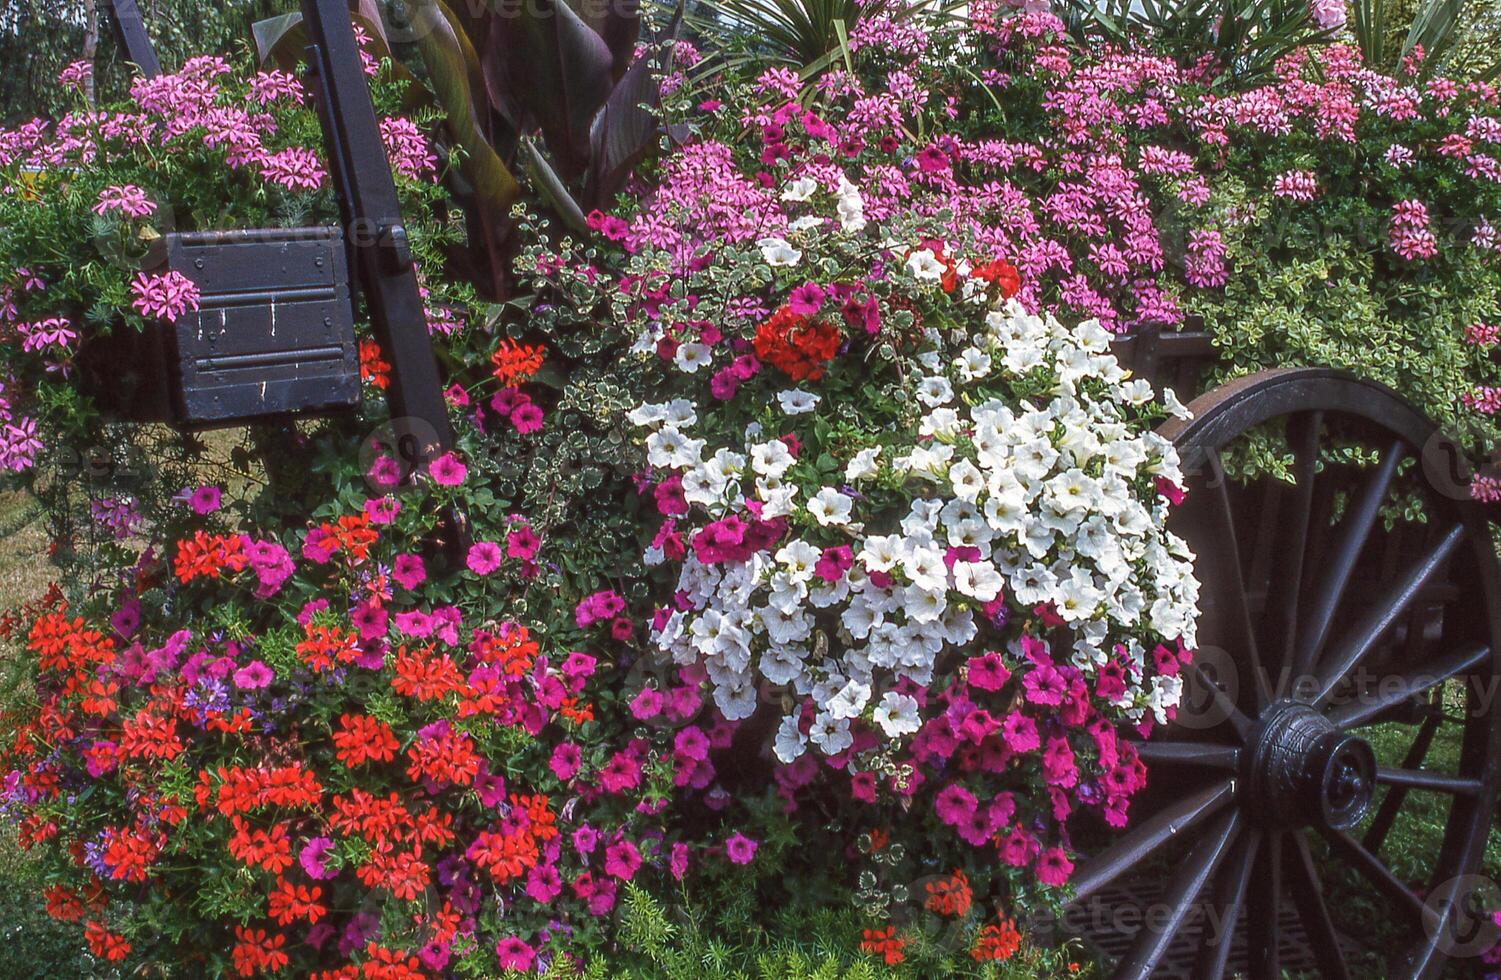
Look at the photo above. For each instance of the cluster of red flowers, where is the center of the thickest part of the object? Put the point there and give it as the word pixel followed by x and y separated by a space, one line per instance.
pixel 361 739
pixel 1001 275
pixel 798 345
pixel 997 941
pixel 351 535
pixel 515 363
pixel 209 556
pixel 240 790
pixel 324 646
pixel 256 951
pixel 374 369
pixel 514 848
pixel 309 822
pixel 885 944
pixel 950 895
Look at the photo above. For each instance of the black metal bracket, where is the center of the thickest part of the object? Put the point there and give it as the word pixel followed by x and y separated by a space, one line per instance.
pixel 132 31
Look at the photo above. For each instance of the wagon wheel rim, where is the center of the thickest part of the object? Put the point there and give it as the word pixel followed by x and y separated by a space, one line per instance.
pixel 1279 765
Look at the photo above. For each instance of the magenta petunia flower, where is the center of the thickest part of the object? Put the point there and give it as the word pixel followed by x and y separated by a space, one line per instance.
pixel 205 500
pixel 678 862
pixel 647 704
pixel 622 860
pixel 514 954
pixel 740 849
pixel 522 542
pixel 313 858
pixel 408 571
pixel 1054 867
pixel 527 418
pixel 382 510
pixel 484 557
pixel 987 672
pixel 565 761
pixel 253 676
pixel 384 473
pixel 447 471
pixel 807 299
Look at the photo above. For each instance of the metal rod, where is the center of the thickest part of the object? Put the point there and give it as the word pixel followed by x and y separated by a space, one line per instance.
pixel 132 31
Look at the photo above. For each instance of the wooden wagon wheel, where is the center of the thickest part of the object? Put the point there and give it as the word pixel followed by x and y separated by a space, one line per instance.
pixel 1331 623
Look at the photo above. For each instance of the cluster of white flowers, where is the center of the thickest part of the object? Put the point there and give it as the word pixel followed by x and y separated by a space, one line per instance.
pixel 979 502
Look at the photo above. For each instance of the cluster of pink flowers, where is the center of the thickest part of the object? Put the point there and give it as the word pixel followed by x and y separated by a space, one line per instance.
pixel 408 149
pixel 54 332
pixel 76 74
pixel 1411 233
pixel 128 199
pixel 163 296
pixel 1296 185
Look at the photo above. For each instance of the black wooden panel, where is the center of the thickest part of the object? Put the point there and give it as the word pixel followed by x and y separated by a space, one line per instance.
pixel 274 332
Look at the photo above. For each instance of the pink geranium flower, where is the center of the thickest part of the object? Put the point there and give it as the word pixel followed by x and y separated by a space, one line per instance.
pixel 163 297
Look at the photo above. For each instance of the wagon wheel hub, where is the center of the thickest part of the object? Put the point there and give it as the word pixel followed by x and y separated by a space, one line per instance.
pixel 1302 771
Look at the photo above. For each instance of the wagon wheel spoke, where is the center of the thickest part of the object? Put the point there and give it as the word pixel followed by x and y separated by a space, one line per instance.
pixel 1352 649
pixel 1218 516
pixel 1169 824
pixel 1223 705
pixel 1303 883
pixel 1303 434
pixel 1433 782
pixel 1229 895
pixel 1354 530
pixel 1263 927
pixel 1371 868
pixel 1198 754
pixel 1391 805
pixel 1363 711
pixel 1180 896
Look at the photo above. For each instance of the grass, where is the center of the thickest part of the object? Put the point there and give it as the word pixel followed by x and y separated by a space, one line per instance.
pixel 36 946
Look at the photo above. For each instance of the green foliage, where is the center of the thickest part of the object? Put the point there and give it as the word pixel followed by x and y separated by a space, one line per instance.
pixel 37 946
pixel 38 39
pixel 1243 38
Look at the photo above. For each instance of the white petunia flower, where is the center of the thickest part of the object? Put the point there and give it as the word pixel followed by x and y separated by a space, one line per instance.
pixel 924 266
pixel 791 743
pixel 669 448
pixel 690 357
pixel 830 508
pixel 830 734
pixel 863 466
pixel 796 402
pixel 978 580
pixel 779 253
pixel 935 390
pixel 897 714
pixel 850 701
pixel 1175 408
pixel 772 458
pixel 800 189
